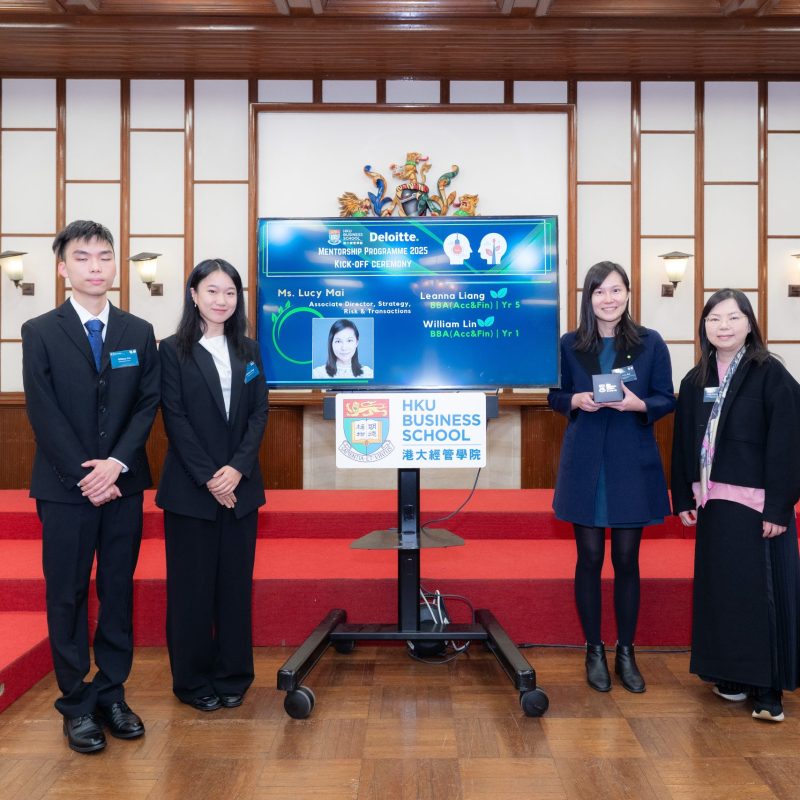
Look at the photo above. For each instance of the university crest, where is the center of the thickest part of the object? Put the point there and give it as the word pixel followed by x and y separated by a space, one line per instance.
pixel 366 424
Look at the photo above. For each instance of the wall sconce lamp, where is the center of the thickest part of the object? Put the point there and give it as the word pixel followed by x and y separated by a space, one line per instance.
pixel 11 262
pixel 147 267
pixel 794 288
pixel 675 264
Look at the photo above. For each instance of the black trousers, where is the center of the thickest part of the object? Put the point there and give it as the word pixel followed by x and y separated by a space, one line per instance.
pixel 72 534
pixel 209 590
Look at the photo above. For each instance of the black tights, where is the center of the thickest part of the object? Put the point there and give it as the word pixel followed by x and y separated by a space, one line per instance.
pixel 625 558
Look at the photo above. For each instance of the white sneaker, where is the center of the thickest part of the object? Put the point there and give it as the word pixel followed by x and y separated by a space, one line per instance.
pixel 733 697
pixel 768 705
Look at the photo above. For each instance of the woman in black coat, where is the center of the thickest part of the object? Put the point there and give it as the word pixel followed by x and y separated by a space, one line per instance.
pixel 736 475
pixel 610 472
pixel 214 404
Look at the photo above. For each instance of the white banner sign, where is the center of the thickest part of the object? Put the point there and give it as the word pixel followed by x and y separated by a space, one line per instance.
pixel 423 430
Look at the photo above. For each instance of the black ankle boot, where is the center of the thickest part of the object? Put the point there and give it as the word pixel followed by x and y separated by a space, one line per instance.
pixel 597 667
pixel 625 667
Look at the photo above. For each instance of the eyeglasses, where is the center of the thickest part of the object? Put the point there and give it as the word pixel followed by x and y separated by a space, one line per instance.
pixel 732 319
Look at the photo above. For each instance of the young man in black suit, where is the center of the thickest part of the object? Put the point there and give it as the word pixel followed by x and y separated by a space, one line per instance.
pixel 92 384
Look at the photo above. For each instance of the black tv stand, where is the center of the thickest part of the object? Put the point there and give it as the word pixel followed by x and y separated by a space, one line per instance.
pixel 334 629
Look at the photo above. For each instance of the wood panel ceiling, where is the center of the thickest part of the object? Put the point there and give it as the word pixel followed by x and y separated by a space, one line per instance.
pixel 456 39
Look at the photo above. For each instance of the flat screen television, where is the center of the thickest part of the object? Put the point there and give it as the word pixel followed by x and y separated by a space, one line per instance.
pixel 409 302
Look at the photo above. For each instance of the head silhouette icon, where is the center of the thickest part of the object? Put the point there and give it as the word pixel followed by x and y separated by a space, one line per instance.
pixel 457 248
pixel 493 247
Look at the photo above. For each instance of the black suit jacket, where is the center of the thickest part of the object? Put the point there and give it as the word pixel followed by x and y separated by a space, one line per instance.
pixel 758 437
pixel 201 439
pixel 78 414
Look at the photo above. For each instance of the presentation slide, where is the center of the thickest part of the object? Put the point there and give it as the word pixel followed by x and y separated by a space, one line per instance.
pixel 409 302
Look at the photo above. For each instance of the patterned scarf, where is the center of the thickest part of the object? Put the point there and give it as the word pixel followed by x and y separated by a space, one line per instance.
pixel 710 436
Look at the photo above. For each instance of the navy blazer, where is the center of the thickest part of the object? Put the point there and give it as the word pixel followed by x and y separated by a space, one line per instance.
pixel 201 438
pixel 621 441
pixel 78 414
pixel 757 442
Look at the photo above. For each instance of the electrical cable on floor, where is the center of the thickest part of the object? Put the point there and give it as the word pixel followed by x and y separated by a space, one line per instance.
pixel 438 614
pixel 440 661
pixel 459 597
pixel 609 648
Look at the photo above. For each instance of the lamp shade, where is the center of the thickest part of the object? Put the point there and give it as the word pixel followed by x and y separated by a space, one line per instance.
pixel 675 264
pixel 146 266
pixel 11 262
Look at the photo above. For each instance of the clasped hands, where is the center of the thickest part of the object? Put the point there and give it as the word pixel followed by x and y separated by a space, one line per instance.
pixel 222 485
pixel 584 401
pixel 100 485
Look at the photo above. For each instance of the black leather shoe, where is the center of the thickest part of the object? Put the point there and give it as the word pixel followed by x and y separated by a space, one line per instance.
pixel 120 720
pixel 231 700
pixel 597 667
pixel 84 734
pixel 626 669
pixel 209 702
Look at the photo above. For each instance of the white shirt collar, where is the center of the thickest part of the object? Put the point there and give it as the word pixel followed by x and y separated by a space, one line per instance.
pixel 85 315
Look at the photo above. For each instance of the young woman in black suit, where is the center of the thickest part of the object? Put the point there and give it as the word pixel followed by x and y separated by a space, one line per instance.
pixel 214 404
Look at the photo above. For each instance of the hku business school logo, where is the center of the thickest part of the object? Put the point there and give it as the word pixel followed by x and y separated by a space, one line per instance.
pixel 366 428
pixel 334 236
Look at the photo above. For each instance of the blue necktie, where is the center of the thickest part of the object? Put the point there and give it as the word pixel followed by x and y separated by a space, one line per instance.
pixel 95 328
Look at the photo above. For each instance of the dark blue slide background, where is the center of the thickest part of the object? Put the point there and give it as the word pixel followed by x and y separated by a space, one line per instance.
pixel 456 302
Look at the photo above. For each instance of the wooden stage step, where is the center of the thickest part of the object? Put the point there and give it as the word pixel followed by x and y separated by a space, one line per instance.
pixel 348 514
pixel 517 561
pixel 528 586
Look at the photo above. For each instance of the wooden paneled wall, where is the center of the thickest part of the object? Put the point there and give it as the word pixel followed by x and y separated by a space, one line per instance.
pixel 281 454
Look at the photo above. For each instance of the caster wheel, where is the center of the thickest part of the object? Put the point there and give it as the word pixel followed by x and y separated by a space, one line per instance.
pixel 534 703
pixel 344 646
pixel 299 703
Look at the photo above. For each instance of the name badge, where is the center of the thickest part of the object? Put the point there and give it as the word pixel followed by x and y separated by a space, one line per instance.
pixel 251 370
pixel 124 358
pixel 627 373
pixel 710 394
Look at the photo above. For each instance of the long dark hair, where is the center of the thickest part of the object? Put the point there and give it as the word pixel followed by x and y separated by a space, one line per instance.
pixel 756 349
pixel 191 327
pixel 587 338
pixel 355 364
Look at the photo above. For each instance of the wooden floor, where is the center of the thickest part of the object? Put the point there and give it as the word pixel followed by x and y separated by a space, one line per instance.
pixel 385 727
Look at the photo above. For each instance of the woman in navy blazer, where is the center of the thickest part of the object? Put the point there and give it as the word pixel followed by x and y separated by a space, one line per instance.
pixel 214 404
pixel 610 473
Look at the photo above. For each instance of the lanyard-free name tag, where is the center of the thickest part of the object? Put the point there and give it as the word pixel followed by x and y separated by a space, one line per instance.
pixel 251 370
pixel 124 358
pixel 627 373
pixel 710 394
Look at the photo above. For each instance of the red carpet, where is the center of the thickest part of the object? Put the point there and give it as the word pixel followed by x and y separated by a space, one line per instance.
pixel 24 653
pixel 324 514
pixel 517 561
